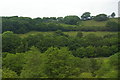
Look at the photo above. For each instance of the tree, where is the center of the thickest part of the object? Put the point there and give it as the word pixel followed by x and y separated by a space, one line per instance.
pixel 60 63
pixel 92 37
pixel 90 50
pixel 34 64
pixel 54 63
pixel 86 16
pixel 14 62
pixel 101 17
pixel 7 73
pixel 85 52
pixel 32 40
pixel 60 19
pixel 37 20
pixel 80 52
pixel 46 19
pixel 10 42
pixel 113 15
pixel 72 20
pixel 17 24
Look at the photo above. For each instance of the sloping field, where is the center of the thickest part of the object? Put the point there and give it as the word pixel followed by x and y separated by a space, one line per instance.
pixel 96 23
pixel 71 33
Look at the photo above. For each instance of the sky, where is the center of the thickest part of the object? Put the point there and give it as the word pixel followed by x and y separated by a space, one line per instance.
pixel 56 8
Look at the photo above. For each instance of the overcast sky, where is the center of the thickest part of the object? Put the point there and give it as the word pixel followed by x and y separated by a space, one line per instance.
pixel 56 8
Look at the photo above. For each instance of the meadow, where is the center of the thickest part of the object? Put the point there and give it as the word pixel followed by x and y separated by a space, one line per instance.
pixel 70 33
pixel 96 23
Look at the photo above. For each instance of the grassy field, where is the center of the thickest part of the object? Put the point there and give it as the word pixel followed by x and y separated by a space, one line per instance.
pixel 71 33
pixel 96 23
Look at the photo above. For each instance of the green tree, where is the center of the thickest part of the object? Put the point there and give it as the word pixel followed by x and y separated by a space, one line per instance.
pixel 72 20
pixel 113 15
pixel 101 17
pixel 90 50
pixel 7 73
pixel 17 24
pixel 60 63
pixel 14 62
pixel 32 40
pixel 80 52
pixel 10 42
pixel 86 16
pixel 92 39
pixel 34 64
pixel 85 52
pixel 60 19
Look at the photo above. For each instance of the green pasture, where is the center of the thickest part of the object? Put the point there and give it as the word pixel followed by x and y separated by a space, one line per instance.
pixel 71 33
pixel 96 23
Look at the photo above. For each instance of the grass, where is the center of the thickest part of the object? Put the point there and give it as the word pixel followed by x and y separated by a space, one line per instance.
pixel 74 33
pixel 97 23
pixel 34 33
pixel 71 33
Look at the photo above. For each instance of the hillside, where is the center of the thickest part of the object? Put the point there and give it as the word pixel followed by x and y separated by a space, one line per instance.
pixel 32 48
pixel 24 25
pixel 71 33
pixel 96 23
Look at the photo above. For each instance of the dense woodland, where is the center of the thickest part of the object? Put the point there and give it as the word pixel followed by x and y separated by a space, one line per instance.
pixel 59 55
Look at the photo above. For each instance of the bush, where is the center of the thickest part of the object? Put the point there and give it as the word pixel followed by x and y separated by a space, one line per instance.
pixel 7 73
pixel 101 17
pixel 72 20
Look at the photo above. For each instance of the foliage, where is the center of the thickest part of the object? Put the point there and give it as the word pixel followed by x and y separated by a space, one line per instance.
pixel 86 16
pixel 79 34
pixel 34 64
pixel 7 73
pixel 108 69
pixel 11 42
pixel 14 62
pixel 114 60
pixel 60 54
pixel 107 43
pixel 113 15
pixel 101 17
pixel 22 25
pixel 60 63
pixel 54 63
pixel 86 75
pixel 71 20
